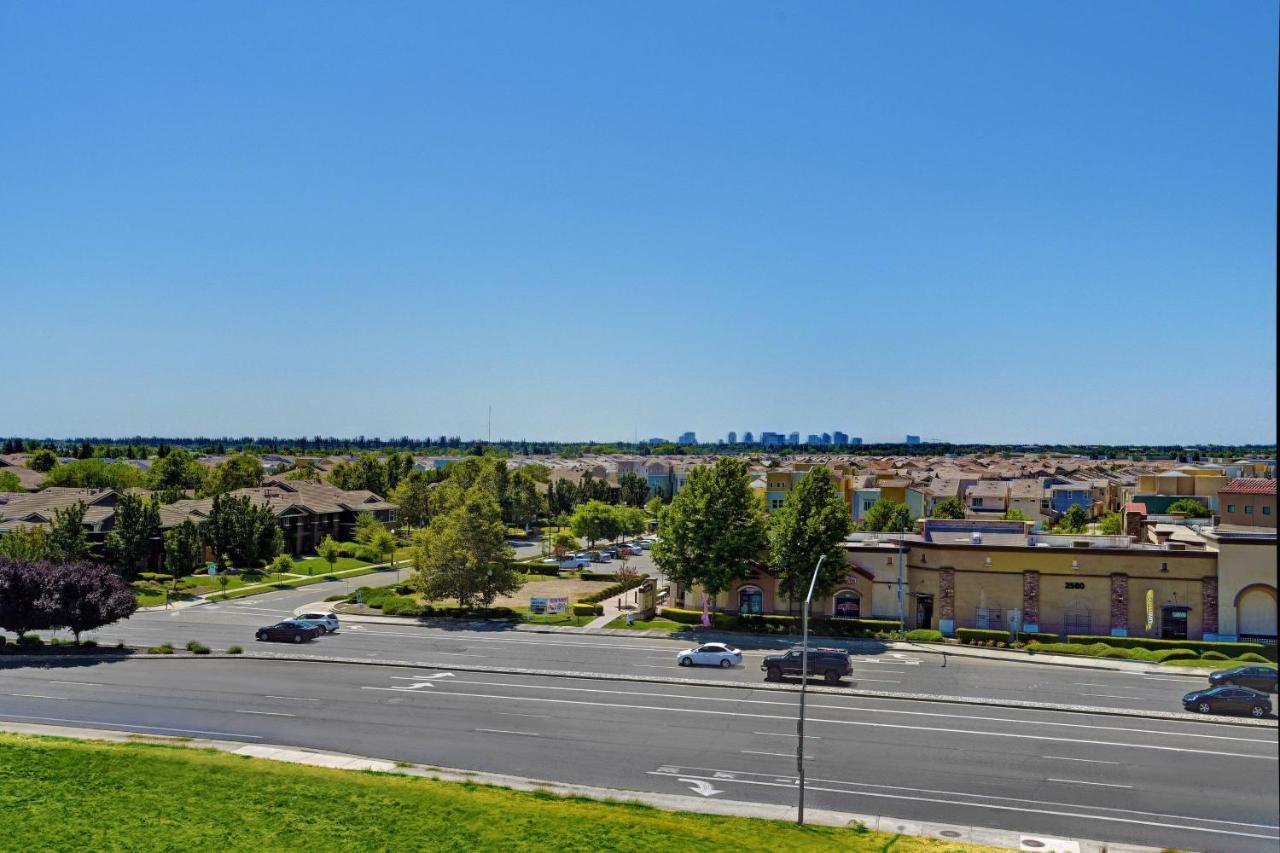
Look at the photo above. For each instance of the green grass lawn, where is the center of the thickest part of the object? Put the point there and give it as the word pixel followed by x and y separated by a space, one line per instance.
pixel 555 619
pixel 655 624
pixel 293 583
pixel 60 794
pixel 317 566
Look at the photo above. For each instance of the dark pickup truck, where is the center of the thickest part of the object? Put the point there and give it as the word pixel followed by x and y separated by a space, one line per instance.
pixel 831 664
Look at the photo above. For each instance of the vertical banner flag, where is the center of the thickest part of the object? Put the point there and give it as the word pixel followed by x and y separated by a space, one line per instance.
pixel 706 612
pixel 1151 608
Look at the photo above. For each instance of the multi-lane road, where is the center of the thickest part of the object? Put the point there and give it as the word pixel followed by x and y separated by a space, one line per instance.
pixel 472 703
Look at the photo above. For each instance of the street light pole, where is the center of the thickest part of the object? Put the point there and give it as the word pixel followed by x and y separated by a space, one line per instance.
pixel 804 683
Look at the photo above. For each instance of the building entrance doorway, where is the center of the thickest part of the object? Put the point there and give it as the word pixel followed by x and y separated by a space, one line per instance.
pixel 1174 624
pixel 924 611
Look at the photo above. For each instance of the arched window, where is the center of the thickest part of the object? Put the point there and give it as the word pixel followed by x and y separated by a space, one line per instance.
pixel 750 600
pixel 848 604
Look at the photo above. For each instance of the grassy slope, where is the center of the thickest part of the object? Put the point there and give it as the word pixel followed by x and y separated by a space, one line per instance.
pixel 66 795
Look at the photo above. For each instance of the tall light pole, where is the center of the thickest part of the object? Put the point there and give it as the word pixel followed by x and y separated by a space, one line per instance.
pixel 804 683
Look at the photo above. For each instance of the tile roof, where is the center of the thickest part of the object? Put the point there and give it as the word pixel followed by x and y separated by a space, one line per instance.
pixel 1249 486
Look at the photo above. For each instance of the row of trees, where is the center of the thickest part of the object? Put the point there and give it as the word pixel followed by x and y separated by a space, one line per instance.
pixel 715 531
pixel 596 520
pixel 79 596
pixel 171 477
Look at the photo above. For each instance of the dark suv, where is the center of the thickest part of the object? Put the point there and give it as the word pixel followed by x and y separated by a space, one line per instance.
pixel 831 664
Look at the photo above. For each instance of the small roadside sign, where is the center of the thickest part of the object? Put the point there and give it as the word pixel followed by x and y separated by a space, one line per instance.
pixel 557 605
pixel 538 606
pixel 212 568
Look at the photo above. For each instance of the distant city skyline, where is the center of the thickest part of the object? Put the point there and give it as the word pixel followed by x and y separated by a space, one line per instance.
pixel 994 222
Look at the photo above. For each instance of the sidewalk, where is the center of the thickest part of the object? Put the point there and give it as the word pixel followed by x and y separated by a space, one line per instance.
pixel 277 586
pixel 1009 839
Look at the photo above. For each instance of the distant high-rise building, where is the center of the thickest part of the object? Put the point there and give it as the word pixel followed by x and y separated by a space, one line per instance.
pixel 826 438
pixel 687 438
pixel 748 438
pixel 840 438
pixel 913 439
pixel 793 438
pixel 855 439
pixel 732 438
pixel 654 442
pixel 772 439
pixel 813 438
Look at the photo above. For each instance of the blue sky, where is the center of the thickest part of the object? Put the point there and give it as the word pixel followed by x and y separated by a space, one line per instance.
pixel 981 221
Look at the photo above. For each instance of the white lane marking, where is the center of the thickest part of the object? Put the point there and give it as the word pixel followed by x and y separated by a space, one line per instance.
pixel 79 683
pixel 1171 678
pixel 654 665
pixel 417 677
pixel 785 734
pixel 1085 760
pixel 36 696
pixel 128 726
pixel 894 711
pixel 605 705
pixel 514 714
pixel 291 698
pixel 1082 782
pixel 265 713
pixel 1087 816
pixel 774 754
pixel 861 680
pixel 460 654
pixel 1088 684
pixel 1108 696
pixel 703 787
pixel 508 732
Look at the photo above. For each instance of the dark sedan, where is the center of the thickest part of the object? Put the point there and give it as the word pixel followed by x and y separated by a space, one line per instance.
pixel 289 631
pixel 1260 678
pixel 1240 700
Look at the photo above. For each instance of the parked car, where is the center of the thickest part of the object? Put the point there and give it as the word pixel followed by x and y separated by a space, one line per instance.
pixel 327 621
pixel 574 563
pixel 711 654
pixel 601 556
pixel 1260 678
pixel 644 544
pixel 609 553
pixel 1228 698
pixel 289 631
pixel 626 551
pixel 831 664
pixel 550 560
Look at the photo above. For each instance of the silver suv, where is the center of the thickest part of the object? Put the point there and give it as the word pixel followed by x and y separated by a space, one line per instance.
pixel 326 622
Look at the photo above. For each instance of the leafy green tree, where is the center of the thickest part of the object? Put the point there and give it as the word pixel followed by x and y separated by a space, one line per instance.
pixel 94 474
pixel 1074 520
pixel 562 542
pixel 366 526
pixel 464 555
pixel 412 498
pixel 594 520
pixel 1014 515
pixel 175 473
pixel 242 471
pixel 633 489
pixel 811 523
pixel 28 542
pixel 712 528
pixel 304 470
pixel 887 516
pixel 86 595
pixel 1112 524
pixel 183 550
pixel 42 460
pixel 630 520
pixel 382 544
pixel 344 475
pixel 1190 508
pixel 562 497
pixel 327 550
pixel 242 531
pixel 524 501
pixel 951 507
pixel 67 540
pixel 137 525
pixel 9 482
pixel 654 506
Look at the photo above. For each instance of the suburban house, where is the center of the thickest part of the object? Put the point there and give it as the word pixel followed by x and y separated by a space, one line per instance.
pixel 27 509
pixel 987 498
pixel 1248 502
pixel 1063 496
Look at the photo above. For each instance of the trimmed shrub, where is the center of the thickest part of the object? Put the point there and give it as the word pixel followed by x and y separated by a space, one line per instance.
pixel 1250 657
pixel 827 626
pixel 400 606
pixel 582 608
pixel 611 591
pixel 684 617
pixel 1176 654
pixel 1214 656
pixel 971 635
pixel 338 597
pixel 234 650
pixel 162 649
pixel 196 647
pixel 924 635
pixel 1201 646
pixel 1038 636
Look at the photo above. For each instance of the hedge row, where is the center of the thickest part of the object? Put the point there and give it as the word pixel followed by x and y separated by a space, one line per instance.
pixel 611 591
pixel 986 635
pixel 582 609
pixel 924 635
pixel 1104 650
pixel 1202 646
pixel 760 624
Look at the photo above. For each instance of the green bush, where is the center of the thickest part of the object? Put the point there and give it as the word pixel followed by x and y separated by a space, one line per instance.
pixel 1176 654
pixel 614 590
pixel 234 650
pixel 196 647
pixel 1039 636
pixel 827 626
pixel 971 635
pixel 1214 656
pixel 338 597
pixel 162 649
pixel 29 641
pixel 684 617
pixel 400 606
pixel 155 576
pixel 924 635
pixel 582 608
pixel 1250 657
pixel 1201 646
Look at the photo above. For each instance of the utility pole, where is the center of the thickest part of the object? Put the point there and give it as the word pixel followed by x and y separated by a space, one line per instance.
pixel 804 683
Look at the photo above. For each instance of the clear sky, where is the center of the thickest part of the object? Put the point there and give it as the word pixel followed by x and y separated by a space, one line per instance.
pixel 973 221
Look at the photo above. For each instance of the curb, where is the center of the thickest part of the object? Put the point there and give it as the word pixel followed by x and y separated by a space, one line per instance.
pixel 1004 838
pixel 1180 716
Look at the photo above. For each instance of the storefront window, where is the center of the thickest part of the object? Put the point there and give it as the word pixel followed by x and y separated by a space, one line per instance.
pixel 848 604
pixel 750 600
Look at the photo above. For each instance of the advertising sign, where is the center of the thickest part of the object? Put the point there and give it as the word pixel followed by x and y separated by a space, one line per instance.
pixel 1151 609
pixel 557 605
pixel 538 606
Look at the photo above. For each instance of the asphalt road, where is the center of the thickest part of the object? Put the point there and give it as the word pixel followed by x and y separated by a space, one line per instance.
pixel 496 644
pixel 1190 785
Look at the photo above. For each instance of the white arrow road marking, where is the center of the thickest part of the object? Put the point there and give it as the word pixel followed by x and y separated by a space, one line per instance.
pixel 426 681
pixel 354 628
pixel 703 787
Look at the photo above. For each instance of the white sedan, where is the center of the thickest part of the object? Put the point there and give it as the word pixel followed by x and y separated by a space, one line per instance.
pixel 711 654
